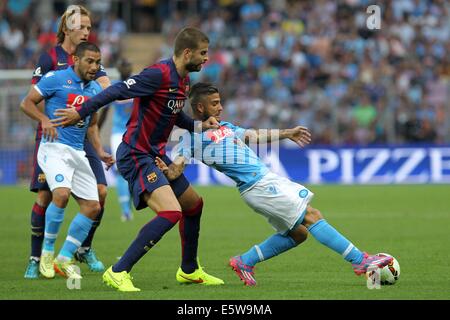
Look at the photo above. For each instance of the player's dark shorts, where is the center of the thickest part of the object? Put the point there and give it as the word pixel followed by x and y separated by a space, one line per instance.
pixel 38 181
pixel 142 174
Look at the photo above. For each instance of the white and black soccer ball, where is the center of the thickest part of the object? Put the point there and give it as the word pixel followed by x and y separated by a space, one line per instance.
pixel 391 273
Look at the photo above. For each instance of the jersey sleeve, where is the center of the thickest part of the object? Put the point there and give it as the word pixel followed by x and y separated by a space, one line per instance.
pixel 44 65
pixel 48 85
pixel 185 122
pixel 144 84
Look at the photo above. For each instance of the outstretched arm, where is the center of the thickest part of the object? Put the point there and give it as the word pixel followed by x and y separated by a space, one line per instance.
pixel 300 135
pixel 174 170
pixel 144 84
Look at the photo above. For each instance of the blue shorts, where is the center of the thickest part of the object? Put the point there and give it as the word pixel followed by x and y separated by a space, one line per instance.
pixel 142 174
pixel 38 181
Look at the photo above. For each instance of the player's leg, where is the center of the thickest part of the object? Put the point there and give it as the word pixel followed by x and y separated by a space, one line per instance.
pixel 85 253
pixel 168 212
pixel 78 231
pixel 123 191
pixel 84 190
pixel 150 188
pixel 52 160
pixel 44 197
pixel 330 237
pixel 189 228
pixel 53 220
pixel 283 203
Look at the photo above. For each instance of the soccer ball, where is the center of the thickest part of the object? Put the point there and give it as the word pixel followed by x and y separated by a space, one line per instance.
pixel 389 274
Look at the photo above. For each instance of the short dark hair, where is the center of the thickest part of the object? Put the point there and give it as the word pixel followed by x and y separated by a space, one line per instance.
pixel 199 91
pixel 189 38
pixel 85 46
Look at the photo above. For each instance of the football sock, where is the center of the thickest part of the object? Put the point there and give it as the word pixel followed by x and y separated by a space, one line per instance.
pixel 189 228
pixel 88 241
pixel 124 194
pixel 78 231
pixel 271 247
pixel 330 237
pixel 54 217
pixel 37 230
pixel 149 235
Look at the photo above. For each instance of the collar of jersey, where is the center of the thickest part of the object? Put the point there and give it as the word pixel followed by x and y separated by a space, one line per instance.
pixel 73 75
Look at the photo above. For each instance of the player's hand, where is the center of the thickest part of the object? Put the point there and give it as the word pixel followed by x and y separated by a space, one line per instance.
pixel 172 171
pixel 107 159
pixel 210 123
pixel 48 130
pixel 162 166
pixel 300 135
pixel 66 117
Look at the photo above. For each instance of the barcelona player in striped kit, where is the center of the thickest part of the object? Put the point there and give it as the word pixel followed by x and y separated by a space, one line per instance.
pixel 159 93
pixel 74 28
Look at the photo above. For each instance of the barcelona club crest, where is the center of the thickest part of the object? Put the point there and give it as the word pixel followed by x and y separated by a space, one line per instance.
pixel 152 177
pixel 41 178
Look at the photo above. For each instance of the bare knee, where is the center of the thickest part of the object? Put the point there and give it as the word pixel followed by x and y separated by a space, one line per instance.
pixel 102 192
pixel 60 197
pixel 312 216
pixel 44 197
pixel 90 209
pixel 299 234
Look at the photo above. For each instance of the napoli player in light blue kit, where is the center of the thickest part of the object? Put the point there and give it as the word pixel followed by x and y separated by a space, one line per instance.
pixel 284 203
pixel 62 158
pixel 121 114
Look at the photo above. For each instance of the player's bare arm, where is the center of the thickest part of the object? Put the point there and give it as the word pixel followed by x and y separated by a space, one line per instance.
pixel 94 138
pixel 104 82
pixel 300 135
pixel 31 105
pixel 174 170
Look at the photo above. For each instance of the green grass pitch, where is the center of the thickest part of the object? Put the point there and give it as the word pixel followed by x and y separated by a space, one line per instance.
pixel 410 222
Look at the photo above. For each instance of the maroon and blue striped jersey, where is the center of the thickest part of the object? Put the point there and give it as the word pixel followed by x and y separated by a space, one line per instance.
pixel 54 59
pixel 159 96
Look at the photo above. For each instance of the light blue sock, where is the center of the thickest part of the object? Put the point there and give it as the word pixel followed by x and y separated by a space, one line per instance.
pixel 330 237
pixel 124 194
pixel 78 231
pixel 54 217
pixel 271 247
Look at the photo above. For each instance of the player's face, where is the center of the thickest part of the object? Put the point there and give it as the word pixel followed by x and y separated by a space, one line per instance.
pixel 213 107
pixel 88 65
pixel 197 58
pixel 80 33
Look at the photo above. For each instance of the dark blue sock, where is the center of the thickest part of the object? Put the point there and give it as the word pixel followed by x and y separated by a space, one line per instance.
pixel 149 235
pixel 88 242
pixel 189 228
pixel 37 229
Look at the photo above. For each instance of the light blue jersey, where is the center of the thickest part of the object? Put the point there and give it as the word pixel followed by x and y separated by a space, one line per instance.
pixel 62 89
pixel 224 150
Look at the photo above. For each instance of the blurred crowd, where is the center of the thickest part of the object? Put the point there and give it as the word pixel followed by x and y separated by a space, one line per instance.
pixel 24 35
pixel 315 63
pixel 285 63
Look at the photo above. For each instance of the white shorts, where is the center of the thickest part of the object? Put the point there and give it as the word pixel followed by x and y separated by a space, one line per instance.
pixel 280 200
pixel 66 167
